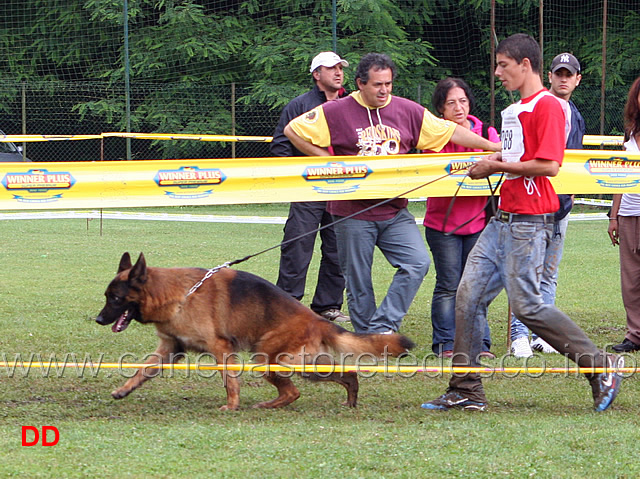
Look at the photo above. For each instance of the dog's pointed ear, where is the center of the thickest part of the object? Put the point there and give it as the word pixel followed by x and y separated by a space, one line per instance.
pixel 138 274
pixel 125 262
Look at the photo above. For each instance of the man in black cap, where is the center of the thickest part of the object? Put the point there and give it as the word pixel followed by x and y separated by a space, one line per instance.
pixel 564 77
pixel 326 71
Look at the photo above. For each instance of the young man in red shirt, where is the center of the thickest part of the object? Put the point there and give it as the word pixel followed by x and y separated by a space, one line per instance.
pixel 510 252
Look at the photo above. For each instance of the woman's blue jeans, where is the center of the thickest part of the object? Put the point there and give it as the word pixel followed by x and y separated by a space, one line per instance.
pixel 449 254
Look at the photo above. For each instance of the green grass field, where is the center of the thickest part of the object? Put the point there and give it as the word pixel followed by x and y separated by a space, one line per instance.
pixel 54 276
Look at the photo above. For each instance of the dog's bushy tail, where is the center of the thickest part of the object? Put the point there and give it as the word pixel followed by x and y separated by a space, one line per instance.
pixel 344 341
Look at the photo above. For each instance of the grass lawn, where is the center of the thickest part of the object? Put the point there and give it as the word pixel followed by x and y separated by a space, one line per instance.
pixel 54 276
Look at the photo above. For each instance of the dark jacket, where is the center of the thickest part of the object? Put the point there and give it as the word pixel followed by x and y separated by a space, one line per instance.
pixel 578 129
pixel 281 146
pixel 574 142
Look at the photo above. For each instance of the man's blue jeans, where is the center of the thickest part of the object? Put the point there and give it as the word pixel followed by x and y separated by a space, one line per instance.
pixel 549 279
pixel 511 256
pixel 401 243
pixel 449 254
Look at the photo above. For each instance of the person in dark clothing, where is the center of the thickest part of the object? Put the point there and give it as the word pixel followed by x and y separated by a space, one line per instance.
pixel 295 257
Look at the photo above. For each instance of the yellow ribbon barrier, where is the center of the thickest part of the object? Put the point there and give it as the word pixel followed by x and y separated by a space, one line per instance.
pixel 602 140
pixel 110 184
pixel 137 136
pixel 318 368
pixel 33 138
pixel 182 136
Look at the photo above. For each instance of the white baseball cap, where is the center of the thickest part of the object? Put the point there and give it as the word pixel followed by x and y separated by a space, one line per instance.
pixel 327 59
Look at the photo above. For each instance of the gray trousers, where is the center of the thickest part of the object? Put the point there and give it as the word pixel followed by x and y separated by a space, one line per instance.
pixel 511 256
pixel 401 243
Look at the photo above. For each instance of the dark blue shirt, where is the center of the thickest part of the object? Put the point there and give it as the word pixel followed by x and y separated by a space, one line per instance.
pixel 574 142
pixel 280 145
pixel 578 128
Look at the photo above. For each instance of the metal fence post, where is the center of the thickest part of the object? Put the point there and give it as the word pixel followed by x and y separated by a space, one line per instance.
pixel 127 92
pixel 24 119
pixel 233 118
pixel 604 65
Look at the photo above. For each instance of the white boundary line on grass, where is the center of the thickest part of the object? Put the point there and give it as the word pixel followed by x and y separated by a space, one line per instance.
pixel 270 220
pixel 119 215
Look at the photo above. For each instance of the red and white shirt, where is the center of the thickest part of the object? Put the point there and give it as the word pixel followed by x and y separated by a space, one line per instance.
pixel 536 127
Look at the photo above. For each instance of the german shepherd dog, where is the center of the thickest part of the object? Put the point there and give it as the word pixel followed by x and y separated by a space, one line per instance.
pixel 233 311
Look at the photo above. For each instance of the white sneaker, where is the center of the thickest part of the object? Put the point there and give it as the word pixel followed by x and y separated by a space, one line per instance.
pixel 542 346
pixel 520 347
pixel 335 315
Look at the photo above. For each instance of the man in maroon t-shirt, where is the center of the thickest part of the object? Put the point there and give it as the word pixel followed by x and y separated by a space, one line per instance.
pixel 373 122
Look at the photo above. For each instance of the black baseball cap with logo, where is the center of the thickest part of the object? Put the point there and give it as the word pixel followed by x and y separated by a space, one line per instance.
pixel 565 60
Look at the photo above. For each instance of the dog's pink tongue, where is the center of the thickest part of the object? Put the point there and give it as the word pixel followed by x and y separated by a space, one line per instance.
pixel 120 324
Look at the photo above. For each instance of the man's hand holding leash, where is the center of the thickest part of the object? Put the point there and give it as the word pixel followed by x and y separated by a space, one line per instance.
pixel 494 164
pixel 486 166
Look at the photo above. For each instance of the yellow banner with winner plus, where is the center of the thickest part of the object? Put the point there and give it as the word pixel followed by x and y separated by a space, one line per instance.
pixel 111 184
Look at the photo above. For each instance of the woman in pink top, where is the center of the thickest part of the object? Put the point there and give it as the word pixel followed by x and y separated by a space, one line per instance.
pixel 452 235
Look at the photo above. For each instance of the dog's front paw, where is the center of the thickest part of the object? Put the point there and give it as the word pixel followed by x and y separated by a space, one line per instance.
pixel 120 393
pixel 226 407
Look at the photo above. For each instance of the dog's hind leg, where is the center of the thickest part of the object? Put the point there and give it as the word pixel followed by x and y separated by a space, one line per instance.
pixel 165 353
pixel 349 380
pixel 287 392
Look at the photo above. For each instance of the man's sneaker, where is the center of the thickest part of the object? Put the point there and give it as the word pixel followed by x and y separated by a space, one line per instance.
pixel 520 347
pixel 605 386
pixel 542 346
pixel 626 346
pixel 454 400
pixel 335 315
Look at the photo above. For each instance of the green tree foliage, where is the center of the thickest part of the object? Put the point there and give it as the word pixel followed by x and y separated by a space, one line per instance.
pixel 184 54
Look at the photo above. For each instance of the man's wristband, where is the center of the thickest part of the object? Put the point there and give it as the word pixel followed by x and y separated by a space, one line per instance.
pixel 613 219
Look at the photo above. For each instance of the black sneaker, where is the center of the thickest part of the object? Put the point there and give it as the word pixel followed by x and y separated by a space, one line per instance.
pixel 454 400
pixel 605 386
pixel 626 346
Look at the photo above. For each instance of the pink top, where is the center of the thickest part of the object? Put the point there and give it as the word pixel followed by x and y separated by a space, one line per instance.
pixel 464 207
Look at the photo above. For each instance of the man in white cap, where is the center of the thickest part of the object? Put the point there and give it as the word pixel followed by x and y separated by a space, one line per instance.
pixel 326 70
